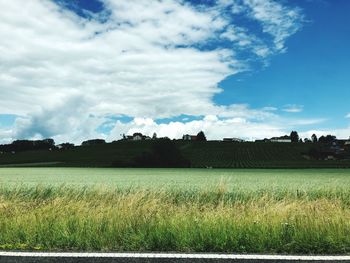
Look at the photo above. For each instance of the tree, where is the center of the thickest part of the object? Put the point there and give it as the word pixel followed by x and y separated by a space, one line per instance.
pixel 327 139
pixel 93 142
pixel 164 153
pixel 65 146
pixel 314 138
pixel 50 142
pixel 322 139
pixel 201 136
pixel 154 137
pixel 30 145
pixel 294 136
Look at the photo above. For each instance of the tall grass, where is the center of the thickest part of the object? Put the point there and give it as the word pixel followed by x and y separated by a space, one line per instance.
pixel 212 220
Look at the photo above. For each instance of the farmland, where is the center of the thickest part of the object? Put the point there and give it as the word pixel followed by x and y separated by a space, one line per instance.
pixel 199 154
pixel 248 179
pixel 183 210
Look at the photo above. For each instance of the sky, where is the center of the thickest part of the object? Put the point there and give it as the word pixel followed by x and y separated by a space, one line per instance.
pixel 80 69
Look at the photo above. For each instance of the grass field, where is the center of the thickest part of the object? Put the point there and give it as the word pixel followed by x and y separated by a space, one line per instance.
pixel 203 210
pixel 247 179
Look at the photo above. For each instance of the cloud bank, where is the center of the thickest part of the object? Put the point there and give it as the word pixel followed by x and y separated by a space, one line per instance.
pixel 64 74
pixel 293 108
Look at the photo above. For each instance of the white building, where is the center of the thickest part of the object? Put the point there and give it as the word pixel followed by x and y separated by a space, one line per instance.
pixel 188 137
pixel 232 140
pixel 283 139
pixel 137 137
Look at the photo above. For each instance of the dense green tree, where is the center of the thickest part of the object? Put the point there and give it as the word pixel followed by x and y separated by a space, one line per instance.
pixel 327 139
pixel 93 142
pixel 164 153
pixel 314 138
pixel 27 145
pixel 294 136
pixel 201 136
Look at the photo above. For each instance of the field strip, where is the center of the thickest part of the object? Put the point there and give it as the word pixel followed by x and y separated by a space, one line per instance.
pixel 182 257
pixel 43 164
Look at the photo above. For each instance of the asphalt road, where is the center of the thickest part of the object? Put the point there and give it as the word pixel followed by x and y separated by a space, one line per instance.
pixel 31 257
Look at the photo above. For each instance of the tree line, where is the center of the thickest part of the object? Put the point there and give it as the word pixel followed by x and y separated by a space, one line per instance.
pixel 49 144
pixel 294 136
pixel 34 145
pixel 28 145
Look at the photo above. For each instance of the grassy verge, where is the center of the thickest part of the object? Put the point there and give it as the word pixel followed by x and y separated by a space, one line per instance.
pixel 215 220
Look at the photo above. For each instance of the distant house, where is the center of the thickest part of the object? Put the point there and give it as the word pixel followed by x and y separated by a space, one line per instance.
pixel 347 146
pixel 341 142
pixel 137 136
pixel 263 140
pixel 188 137
pixel 283 139
pixel 340 146
pixel 65 146
pixel 330 158
pixel 232 140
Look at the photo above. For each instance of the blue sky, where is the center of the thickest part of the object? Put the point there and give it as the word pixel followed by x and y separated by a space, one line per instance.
pixel 74 70
pixel 313 73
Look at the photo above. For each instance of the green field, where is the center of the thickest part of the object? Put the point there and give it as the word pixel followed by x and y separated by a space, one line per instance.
pixel 247 179
pixel 182 210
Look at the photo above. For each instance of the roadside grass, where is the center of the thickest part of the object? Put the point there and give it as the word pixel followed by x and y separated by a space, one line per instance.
pixel 216 219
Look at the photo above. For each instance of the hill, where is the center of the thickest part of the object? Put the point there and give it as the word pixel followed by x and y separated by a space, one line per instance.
pixel 213 154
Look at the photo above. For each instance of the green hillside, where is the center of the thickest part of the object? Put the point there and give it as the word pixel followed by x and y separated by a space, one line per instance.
pixel 200 154
pixel 255 155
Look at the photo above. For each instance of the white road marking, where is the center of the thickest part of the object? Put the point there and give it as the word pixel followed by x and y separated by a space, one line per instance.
pixel 174 256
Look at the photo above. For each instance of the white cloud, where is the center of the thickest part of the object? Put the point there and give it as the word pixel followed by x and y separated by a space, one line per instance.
pixel 347 116
pixel 277 20
pixel 293 108
pixel 6 135
pixel 140 58
pixel 225 121
pixel 339 133
pixel 65 122
pixel 214 126
pixel 269 108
